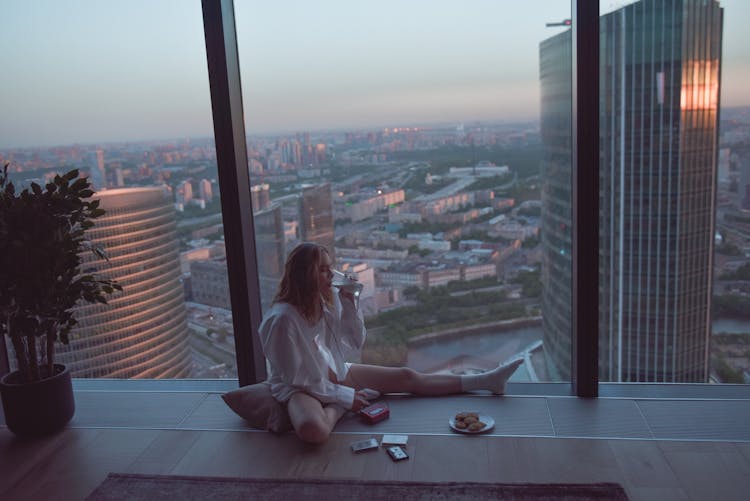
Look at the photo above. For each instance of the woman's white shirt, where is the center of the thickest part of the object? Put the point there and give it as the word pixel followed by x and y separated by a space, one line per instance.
pixel 300 355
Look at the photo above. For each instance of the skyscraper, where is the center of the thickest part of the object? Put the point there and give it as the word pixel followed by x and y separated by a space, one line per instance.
pixel 184 192
pixel 97 173
pixel 269 241
pixel 260 197
pixel 660 67
pixel 316 216
pixel 556 102
pixel 743 185
pixel 142 332
pixel 205 191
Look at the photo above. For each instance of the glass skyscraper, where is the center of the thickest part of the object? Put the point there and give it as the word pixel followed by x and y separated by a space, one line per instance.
pixel 659 94
pixel 142 332
pixel 316 216
pixel 271 251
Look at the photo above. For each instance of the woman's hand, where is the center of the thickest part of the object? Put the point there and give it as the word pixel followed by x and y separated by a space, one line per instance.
pixel 360 401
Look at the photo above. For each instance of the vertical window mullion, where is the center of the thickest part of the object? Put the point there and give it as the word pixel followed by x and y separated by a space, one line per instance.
pixel 4 363
pixel 234 185
pixel 585 276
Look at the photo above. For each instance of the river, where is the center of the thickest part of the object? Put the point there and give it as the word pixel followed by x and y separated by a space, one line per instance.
pixel 483 350
pixel 487 348
pixel 730 325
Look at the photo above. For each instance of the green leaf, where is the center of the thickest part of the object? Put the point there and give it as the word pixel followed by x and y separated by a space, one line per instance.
pixel 71 175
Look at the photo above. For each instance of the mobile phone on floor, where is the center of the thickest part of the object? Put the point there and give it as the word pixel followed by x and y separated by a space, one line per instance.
pixel 397 453
pixel 365 445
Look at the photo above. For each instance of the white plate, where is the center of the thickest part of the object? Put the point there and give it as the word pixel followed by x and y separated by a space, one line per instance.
pixel 487 420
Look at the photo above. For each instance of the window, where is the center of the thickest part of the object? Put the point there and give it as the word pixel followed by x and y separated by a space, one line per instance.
pixel 120 91
pixel 406 138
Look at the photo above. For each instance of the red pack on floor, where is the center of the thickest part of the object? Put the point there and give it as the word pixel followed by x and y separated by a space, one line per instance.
pixel 375 413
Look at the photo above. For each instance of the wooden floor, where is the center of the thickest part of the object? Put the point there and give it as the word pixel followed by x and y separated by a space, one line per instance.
pixel 208 441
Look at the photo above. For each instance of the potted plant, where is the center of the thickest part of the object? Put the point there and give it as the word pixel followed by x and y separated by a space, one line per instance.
pixel 42 237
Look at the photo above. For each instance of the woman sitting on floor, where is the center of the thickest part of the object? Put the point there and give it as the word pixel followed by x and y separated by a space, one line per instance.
pixel 311 333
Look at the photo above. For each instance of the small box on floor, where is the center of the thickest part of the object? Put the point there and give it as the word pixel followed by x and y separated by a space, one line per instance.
pixel 375 413
pixel 394 440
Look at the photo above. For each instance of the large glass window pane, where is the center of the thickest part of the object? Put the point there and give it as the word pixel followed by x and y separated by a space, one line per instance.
pixel 120 91
pixel 729 357
pixel 421 142
pixel 672 248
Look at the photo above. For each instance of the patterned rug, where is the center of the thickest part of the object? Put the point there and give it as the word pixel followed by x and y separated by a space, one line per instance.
pixel 133 487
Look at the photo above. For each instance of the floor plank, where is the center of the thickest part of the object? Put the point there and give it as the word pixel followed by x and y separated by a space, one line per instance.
pixel 706 471
pixel 450 458
pixel 20 456
pixel 567 460
pixel 80 461
pixel 643 464
pixel 164 452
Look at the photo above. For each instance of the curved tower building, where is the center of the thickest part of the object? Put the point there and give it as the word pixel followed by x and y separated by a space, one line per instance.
pixel 142 332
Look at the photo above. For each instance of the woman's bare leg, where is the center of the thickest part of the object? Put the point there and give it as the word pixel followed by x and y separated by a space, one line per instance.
pixel 404 379
pixel 313 421
pixel 401 379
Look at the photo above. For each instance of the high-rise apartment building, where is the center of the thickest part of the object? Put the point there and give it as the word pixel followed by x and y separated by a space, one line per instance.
pixel 260 197
pixel 660 67
pixel 316 216
pixel 205 191
pixel 270 250
pixel 184 192
pixel 743 183
pixel 142 332
pixel 97 172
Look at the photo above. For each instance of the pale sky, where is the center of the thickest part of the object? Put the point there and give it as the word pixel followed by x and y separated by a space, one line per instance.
pixel 92 71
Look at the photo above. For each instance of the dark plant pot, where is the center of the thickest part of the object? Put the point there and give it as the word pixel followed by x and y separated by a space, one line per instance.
pixel 38 408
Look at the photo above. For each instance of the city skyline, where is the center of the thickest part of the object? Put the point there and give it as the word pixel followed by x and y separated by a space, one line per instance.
pixel 78 77
pixel 498 228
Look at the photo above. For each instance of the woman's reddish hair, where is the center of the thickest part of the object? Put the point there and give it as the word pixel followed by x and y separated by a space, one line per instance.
pixel 300 285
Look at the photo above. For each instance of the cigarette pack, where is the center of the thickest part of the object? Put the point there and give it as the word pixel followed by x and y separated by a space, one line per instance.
pixel 394 440
pixel 375 413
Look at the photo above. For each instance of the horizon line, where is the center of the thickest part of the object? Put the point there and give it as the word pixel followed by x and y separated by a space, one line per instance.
pixel 288 132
